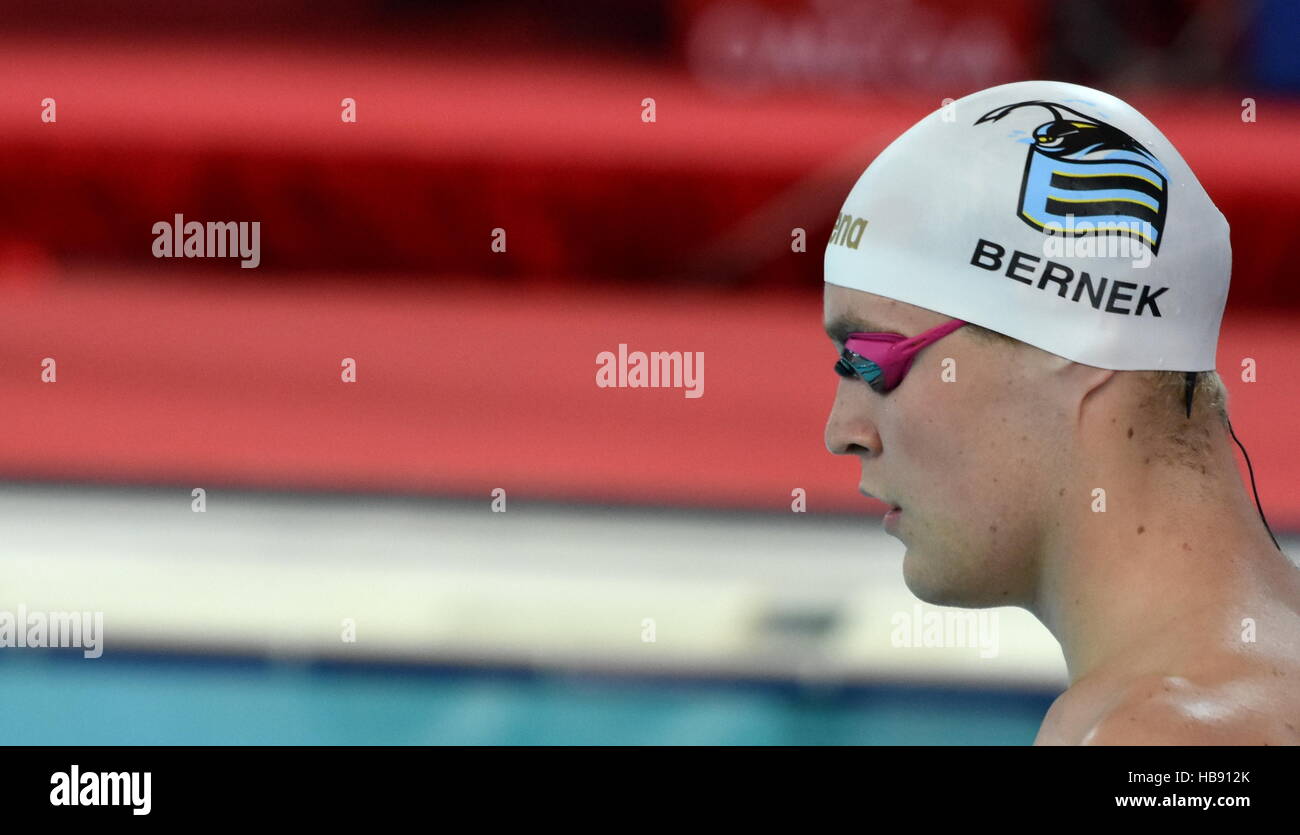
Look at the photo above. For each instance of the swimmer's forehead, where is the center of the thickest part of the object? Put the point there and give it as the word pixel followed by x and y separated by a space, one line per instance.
pixel 839 327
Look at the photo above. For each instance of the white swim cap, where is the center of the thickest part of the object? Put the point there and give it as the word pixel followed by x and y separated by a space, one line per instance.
pixel 1052 213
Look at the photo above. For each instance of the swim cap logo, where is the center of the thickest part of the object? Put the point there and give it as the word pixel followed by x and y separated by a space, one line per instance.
pixel 848 230
pixel 1085 177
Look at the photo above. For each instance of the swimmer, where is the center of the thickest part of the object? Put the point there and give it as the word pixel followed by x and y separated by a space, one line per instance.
pixel 1046 439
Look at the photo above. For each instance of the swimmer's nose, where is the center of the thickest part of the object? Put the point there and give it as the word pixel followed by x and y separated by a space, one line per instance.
pixel 850 429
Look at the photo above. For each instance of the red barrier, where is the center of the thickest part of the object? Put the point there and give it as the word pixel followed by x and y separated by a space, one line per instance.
pixel 556 153
pixel 195 383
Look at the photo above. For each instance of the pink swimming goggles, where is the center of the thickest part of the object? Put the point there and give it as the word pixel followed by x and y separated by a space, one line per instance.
pixel 882 359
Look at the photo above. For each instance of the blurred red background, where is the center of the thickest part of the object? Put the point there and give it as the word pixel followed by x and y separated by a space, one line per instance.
pixel 476 367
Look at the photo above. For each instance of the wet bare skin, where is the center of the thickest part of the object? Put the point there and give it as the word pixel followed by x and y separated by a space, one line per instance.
pixel 1178 618
pixel 1181 692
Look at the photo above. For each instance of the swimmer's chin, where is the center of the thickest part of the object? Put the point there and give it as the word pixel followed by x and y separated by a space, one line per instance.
pixel 940 591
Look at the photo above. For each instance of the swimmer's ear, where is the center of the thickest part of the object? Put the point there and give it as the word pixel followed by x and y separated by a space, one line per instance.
pixel 1082 382
pixel 1077 373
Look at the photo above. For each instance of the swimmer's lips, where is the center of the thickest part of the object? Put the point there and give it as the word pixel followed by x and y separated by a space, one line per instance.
pixel 892 506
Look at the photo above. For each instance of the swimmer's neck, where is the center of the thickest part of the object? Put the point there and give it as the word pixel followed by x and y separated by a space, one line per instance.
pixel 1117 587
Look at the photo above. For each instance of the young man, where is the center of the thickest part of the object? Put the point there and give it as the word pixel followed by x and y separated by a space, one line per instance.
pixel 1057 271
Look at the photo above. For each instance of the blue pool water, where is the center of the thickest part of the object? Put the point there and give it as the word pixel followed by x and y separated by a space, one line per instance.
pixel 62 699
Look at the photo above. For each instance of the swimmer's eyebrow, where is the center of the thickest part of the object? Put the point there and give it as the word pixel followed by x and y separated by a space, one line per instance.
pixel 839 328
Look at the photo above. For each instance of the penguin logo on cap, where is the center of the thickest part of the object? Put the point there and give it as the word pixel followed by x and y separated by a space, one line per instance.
pixel 1085 177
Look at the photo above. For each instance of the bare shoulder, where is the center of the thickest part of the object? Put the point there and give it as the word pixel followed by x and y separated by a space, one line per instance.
pixel 1218 679
pixel 1239 702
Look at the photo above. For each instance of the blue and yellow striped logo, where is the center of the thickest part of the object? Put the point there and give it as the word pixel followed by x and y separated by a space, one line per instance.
pixel 1085 177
